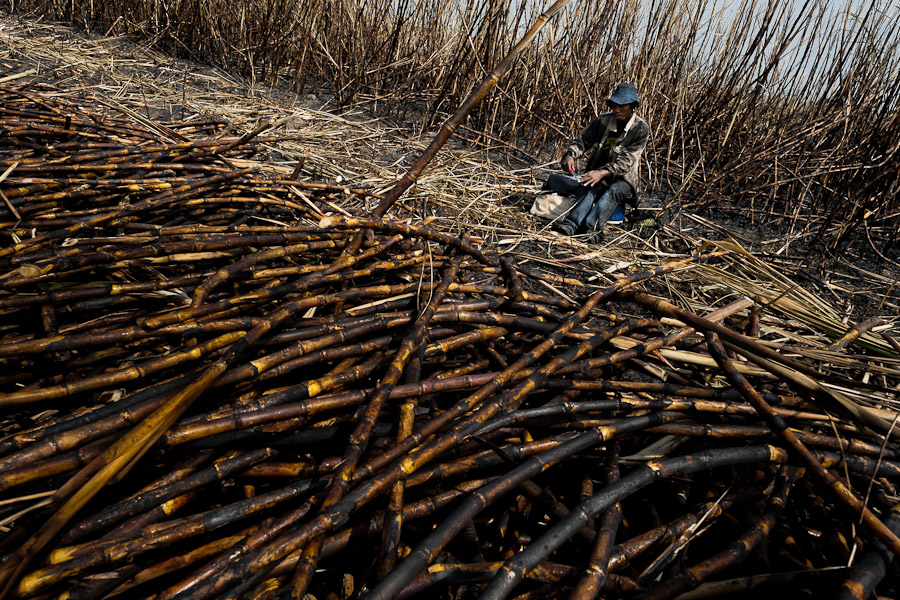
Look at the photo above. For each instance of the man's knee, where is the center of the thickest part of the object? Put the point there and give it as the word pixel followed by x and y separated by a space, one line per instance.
pixel 621 192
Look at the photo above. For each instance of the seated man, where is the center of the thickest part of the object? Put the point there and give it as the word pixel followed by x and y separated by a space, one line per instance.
pixel 617 138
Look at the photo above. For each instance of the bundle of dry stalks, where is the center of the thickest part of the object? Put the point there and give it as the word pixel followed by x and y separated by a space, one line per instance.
pixel 206 396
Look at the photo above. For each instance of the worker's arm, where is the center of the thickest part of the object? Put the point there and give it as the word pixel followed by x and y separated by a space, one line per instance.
pixel 589 136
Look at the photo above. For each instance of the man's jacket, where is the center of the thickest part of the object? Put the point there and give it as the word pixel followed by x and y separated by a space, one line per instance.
pixel 624 157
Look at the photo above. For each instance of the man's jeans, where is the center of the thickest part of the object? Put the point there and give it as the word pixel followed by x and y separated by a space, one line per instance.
pixel 593 205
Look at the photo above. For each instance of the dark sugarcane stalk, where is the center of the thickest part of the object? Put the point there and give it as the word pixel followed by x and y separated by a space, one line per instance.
pixel 75 259
pixel 716 401
pixel 853 447
pixel 313 357
pixel 288 470
pixel 117 411
pixel 498 455
pixel 866 465
pixel 465 370
pixel 463 340
pixel 452 315
pixel 499 290
pixel 855 332
pixel 513 569
pixel 258 366
pixel 393 517
pixel 624 554
pixel 73 438
pixel 153 497
pixel 871 568
pixel 359 440
pixel 561 408
pixel 167 197
pixel 718 431
pixel 701 406
pixel 511 374
pixel 71 342
pixel 226 273
pixel 161 535
pixel 186 468
pixel 115 159
pixel 152 516
pixel 597 569
pixel 665 559
pixel 838 489
pixel 461 245
pixel 106 380
pixel 155 322
pixel 112 583
pixel 297 413
pixel 30 472
pixel 516 291
pixel 738 551
pixel 460 573
pixel 99 290
pixel 432 544
pixel 318 326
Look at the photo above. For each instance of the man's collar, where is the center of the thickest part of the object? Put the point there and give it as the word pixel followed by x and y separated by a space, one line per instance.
pixel 611 122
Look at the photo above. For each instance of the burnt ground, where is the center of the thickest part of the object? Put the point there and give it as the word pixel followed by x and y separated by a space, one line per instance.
pixel 858 275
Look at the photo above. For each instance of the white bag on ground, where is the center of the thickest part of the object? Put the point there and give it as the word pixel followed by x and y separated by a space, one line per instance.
pixel 551 206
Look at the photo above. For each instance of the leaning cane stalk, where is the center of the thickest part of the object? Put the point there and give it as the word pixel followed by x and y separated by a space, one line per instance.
pixel 448 129
pixel 426 551
pixel 838 489
pixel 360 437
pixel 598 566
pixel 112 463
pixel 805 376
pixel 513 569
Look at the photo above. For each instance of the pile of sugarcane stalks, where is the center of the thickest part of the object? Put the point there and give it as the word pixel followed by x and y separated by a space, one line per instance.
pixel 206 395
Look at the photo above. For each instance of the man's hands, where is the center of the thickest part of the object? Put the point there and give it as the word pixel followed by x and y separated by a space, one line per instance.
pixel 592 178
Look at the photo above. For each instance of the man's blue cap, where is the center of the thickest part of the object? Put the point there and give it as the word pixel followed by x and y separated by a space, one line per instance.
pixel 625 93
